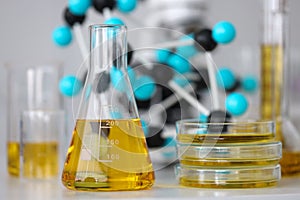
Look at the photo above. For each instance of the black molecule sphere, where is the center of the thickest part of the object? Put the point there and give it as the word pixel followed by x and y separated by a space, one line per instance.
pixel 83 77
pixel 219 117
pixel 102 82
pixel 162 73
pixel 71 19
pixel 99 5
pixel 155 138
pixel 205 40
pixel 234 87
pixel 129 54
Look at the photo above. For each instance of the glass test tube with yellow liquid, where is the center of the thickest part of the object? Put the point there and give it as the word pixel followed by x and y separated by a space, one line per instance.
pixel 274 82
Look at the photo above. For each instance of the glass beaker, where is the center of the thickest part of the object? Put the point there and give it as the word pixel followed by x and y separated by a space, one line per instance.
pixel 108 150
pixel 29 87
pixel 275 82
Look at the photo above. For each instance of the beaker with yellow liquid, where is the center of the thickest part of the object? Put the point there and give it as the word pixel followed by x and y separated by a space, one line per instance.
pixel 108 150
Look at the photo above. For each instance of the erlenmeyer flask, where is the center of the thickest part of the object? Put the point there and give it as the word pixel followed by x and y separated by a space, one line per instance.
pixel 108 150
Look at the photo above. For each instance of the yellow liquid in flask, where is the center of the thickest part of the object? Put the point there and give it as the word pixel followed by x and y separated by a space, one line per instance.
pixel 108 155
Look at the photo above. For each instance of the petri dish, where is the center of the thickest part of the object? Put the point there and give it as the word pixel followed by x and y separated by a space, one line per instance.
pixel 230 155
pixel 250 177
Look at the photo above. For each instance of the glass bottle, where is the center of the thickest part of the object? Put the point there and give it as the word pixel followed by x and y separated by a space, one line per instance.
pixel 275 82
pixel 108 150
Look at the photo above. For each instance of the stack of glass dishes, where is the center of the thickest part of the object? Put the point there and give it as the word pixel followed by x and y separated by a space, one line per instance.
pixel 227 155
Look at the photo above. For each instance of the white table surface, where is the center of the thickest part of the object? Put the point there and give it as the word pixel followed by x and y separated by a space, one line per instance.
pixel 166 187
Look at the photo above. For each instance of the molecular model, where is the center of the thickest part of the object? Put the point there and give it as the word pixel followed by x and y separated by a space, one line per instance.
pixel 174 54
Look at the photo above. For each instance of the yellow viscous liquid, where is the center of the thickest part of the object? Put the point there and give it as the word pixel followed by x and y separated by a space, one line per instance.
pixel 108 155
pixel 271 94
pixel 271 85
pixel 229 184
pixel 13 158
pixel 40 160
pixel 229 163
pixel 236 138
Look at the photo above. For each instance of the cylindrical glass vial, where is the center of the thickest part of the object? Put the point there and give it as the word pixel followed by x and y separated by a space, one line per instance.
pixel 274 82
pixel 108 151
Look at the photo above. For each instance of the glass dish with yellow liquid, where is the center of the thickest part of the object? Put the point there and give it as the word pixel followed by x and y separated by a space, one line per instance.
pixel 227 155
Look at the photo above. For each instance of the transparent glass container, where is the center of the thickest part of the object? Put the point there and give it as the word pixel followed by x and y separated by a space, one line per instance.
pixel 33 88
pixel 108 150
pixel 275 82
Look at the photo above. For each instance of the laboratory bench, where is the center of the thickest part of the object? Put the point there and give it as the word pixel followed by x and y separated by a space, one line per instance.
pixel 165 187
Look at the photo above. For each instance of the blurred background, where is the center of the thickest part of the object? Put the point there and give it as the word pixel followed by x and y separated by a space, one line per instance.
pixel 26 28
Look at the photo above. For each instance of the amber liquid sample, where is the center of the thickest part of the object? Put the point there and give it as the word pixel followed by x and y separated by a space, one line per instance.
pixel 108 155
pixel 40 160
pixel 271 85
pixel 13 158
pixel 290 163
pixel 271 94
pixel 236 138
pixel 230 163
pixel 227 184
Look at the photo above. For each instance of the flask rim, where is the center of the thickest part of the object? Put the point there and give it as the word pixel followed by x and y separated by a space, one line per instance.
pixel 104 26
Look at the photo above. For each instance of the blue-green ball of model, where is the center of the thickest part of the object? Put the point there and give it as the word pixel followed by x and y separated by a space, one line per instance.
pixel 114 21
pixel 126 6
pixel 62 36
pixel 225 78
pixel 145 127
pixel 117 79
pixel 70 86
pixel 223 32
pixel 144 87
pixel 162 55
pixel 249 83
pixel 236 104
pixel 187 51
pixel 79 7
pixel 179 64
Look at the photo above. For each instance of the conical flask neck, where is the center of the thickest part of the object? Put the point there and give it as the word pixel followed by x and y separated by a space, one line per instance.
pixel 108 47
pixel 108 92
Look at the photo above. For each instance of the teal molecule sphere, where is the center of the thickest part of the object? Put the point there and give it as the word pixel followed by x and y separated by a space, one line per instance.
pixel 145 127
pixel 162 55
pixel 79 7
pixel 187 51
pixel 62 36
pixel 203 118
pixel 70 86
pixel 179 64
pixel 144 88
pixel 225 78
pixel 223 32
pixel 114 21
pixel 236 104
pixel 249 83
pixel 117 79
pixel 126 6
